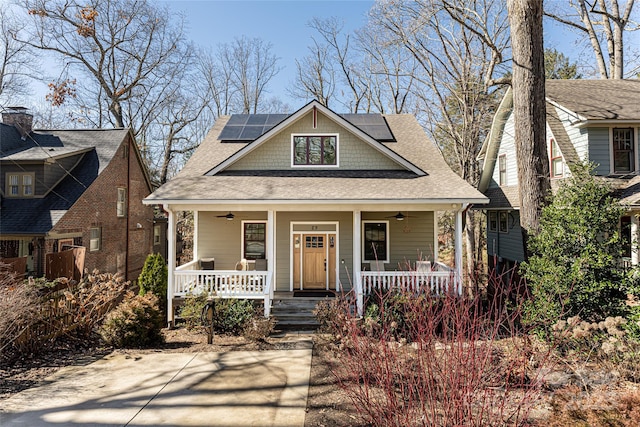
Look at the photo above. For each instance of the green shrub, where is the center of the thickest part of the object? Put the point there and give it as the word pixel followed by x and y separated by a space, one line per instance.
pixel 574 267
pixel 136 322
pixel 153 278
pixel 230 315
pixel 191 310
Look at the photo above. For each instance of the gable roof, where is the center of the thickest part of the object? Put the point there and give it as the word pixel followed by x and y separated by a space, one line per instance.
pixel 314 105
pixel 422 176
pixel 597 100
pixel 37 215
pixel 588 101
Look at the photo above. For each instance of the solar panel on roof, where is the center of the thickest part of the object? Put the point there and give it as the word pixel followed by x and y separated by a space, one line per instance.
pixel 249 127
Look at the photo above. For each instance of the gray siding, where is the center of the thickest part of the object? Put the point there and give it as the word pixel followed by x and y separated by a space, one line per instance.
pixel 53 173
pixel 599 149
pixel 577 135
pixel 353 153
pixel 410 240
pixel 508 148
pixel 507 245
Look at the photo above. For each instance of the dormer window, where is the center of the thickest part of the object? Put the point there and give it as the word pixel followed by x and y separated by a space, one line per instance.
pixel 623 150
pixel 315 150
pixel 20 184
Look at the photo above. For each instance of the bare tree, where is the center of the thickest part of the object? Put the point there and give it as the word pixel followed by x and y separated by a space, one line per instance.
pixel 122 50
pixel 251 65
pixel 529 112
pixel 16 59
pixel 315 76
pixel 458 47
pixel 604 23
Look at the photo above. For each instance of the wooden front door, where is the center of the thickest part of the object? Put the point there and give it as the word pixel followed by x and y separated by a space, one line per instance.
pixel 314 261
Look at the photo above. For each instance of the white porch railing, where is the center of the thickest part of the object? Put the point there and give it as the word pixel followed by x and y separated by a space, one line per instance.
pixel 442 279
pixel 223 284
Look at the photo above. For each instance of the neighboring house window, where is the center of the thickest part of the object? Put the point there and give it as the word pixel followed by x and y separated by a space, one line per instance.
pixel 557 168
pixel 255 240
pixel 315 150
pixel 376 241
pixel 95 241
pixel 623 150
pixel 502 167
pixel 504 222
pixel 20 184
pixel 121 204
pixel 156 234
pixel 493 221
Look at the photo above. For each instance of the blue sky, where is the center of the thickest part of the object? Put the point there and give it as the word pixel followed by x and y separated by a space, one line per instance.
pixel 284 24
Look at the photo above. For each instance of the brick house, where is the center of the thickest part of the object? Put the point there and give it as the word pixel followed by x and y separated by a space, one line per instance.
pixel 62 188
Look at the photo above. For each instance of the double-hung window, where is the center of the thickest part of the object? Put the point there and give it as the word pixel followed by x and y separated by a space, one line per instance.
pixel 493 221
pixel 254 240
pixel 95 239
pixel 315 150
pixel 503 222
pixel 623 150
pixel 376 241
pixel 20 184
pixel 502 167
pixel 121 203
pixel 557 168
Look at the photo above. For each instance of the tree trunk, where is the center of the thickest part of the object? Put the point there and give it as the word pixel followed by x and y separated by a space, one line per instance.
pixel 525 18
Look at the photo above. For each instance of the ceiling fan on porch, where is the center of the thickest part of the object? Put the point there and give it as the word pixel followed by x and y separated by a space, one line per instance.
pixel 228 216
pixel 400 216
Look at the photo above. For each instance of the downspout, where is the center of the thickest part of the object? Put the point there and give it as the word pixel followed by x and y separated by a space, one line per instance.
pixel 171 261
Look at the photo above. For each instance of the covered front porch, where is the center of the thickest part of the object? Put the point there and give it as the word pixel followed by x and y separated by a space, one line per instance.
pixel 251 253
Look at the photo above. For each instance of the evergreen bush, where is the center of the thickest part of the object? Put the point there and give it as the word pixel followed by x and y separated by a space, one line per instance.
pixel 136 322
pixel 574 269
pixel 154 278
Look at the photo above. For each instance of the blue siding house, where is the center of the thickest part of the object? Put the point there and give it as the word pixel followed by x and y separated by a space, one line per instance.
pixel 595 121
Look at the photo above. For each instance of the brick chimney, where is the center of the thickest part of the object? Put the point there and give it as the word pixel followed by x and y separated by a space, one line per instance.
pixel 18 117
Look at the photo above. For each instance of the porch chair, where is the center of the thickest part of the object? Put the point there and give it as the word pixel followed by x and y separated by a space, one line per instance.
pixel 241 265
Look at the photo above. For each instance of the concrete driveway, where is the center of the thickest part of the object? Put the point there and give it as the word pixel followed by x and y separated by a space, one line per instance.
pixel 243 388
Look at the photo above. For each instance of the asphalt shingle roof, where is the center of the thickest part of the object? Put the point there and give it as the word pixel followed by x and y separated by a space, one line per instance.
pixel 597 99
pixel 439 185
pixel 36 216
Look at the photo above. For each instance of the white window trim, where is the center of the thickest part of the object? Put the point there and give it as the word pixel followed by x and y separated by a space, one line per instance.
pixel 636 134
pixel 157 233
pixel 371 221
pixel 293 135
pixel 266 229
pixel 500 183
pixel 552 174
pixel 495 213
pixel 91 239
pixel 292 233
pixel 499 228
pixel 121 205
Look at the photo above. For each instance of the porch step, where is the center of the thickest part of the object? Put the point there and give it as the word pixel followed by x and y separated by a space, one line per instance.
pixel 295 314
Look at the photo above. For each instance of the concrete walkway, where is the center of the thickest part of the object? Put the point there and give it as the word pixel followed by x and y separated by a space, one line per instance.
pixel 239 388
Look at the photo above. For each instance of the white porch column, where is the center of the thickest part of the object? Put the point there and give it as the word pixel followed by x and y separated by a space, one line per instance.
pixel 634 239
pixel 436 230
pixel 271 258
pixel 171 261
pixel 195 254
pixel 458 250
pixel 357 261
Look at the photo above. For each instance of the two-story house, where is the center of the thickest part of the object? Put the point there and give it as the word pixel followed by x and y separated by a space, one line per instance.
pixel 595 121
pixel 314 200
pixel 66 188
